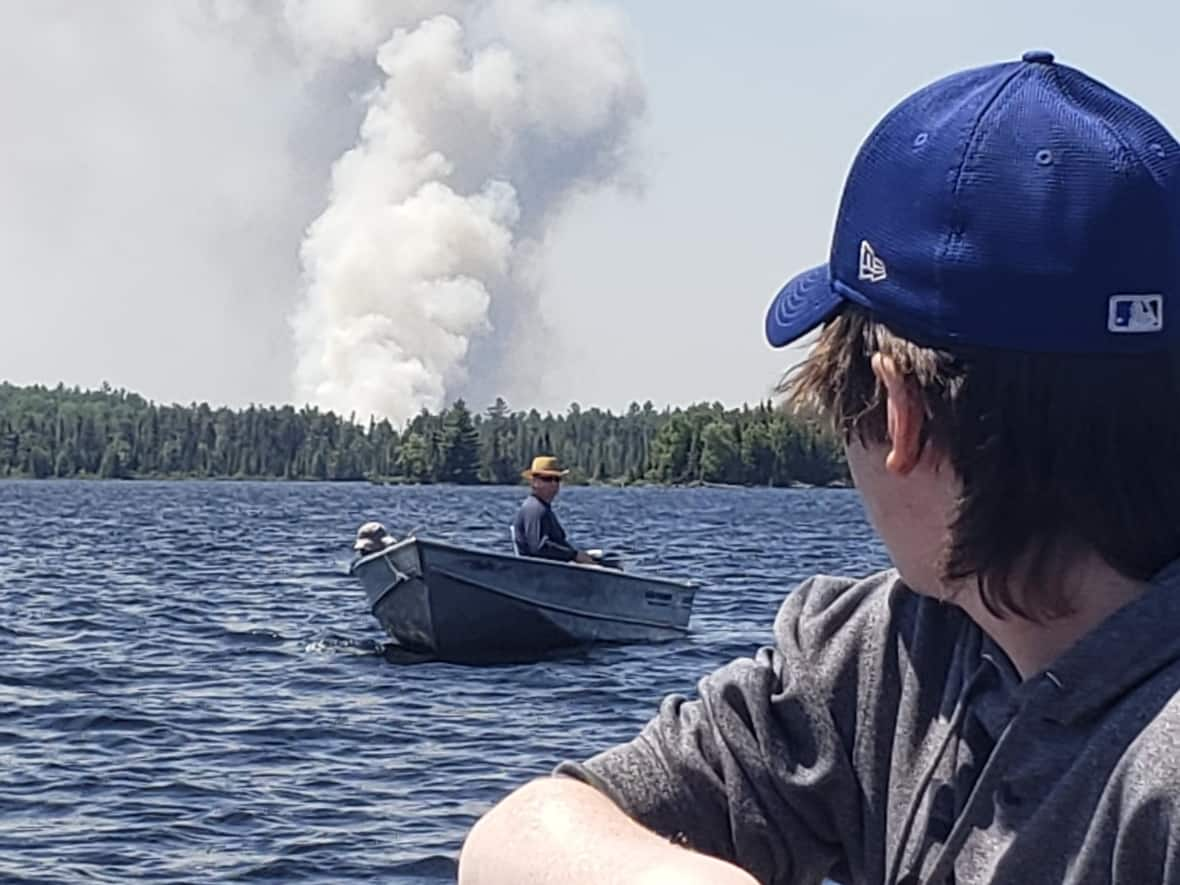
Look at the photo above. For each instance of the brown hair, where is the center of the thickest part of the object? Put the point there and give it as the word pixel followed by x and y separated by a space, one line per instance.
pixel 1056 453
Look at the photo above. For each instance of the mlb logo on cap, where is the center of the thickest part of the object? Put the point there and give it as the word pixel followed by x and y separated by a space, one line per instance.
pixel 1136 314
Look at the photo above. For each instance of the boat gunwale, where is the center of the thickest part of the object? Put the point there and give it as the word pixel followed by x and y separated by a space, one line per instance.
pixel 685 586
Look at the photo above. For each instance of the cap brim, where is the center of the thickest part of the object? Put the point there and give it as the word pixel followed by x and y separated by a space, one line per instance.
pixel 801 305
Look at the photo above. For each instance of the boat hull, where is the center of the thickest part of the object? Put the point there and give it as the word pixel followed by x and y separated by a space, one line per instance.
pixel 462 604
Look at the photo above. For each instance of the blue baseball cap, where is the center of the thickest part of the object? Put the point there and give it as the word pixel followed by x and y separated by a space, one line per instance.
pixel 1021 206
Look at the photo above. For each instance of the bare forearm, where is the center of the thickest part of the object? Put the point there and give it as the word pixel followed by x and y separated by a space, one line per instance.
pixel 561 830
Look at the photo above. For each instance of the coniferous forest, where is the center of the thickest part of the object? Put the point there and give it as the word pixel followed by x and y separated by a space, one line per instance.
pixel 114 434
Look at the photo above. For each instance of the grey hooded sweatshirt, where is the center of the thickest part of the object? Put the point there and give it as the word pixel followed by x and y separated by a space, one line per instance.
pixel 886 739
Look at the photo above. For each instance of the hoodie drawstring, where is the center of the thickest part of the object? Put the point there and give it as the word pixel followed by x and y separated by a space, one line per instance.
pixel 956 720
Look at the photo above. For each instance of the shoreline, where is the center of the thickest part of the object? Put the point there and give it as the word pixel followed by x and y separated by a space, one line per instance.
pixel 695 484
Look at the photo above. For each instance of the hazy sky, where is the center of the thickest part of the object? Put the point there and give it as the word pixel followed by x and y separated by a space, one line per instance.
pixel 161 163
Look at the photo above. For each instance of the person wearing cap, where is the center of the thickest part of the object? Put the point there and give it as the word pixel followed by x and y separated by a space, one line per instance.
pixel 372 537
pixel 1000 351
pixel 536 530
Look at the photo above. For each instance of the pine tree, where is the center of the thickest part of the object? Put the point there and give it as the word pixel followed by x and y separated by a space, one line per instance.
pixel 70 432
pixel 459 446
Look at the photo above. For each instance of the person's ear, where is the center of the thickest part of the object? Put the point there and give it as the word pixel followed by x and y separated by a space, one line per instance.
pixel 905 415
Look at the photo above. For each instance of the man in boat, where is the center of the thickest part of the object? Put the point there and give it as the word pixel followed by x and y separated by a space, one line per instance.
pixel 536 531
pixel 1000 353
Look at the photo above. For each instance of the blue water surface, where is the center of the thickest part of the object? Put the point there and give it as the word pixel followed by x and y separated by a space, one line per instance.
pixel 192 689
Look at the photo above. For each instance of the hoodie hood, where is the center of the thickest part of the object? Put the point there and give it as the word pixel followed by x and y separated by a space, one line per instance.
pixel 1088 678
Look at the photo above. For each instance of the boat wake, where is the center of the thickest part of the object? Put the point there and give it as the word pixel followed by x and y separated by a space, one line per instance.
pixel 331 644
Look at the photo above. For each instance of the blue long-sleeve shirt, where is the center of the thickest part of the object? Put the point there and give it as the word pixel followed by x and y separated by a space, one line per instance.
pixel 538 533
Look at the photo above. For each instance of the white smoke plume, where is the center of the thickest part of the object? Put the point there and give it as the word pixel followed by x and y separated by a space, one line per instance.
pixel 422 276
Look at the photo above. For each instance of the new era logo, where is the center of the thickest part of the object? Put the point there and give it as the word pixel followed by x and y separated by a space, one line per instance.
pixel 872 268
pixel 1135 313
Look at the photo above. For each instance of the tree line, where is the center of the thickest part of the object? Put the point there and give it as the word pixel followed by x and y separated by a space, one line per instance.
pixel 107 433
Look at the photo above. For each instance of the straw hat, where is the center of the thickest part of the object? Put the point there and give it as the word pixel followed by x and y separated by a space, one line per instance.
pixel 544 465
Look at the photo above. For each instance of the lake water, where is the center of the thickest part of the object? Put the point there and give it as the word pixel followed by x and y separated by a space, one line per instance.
pixel 192 688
